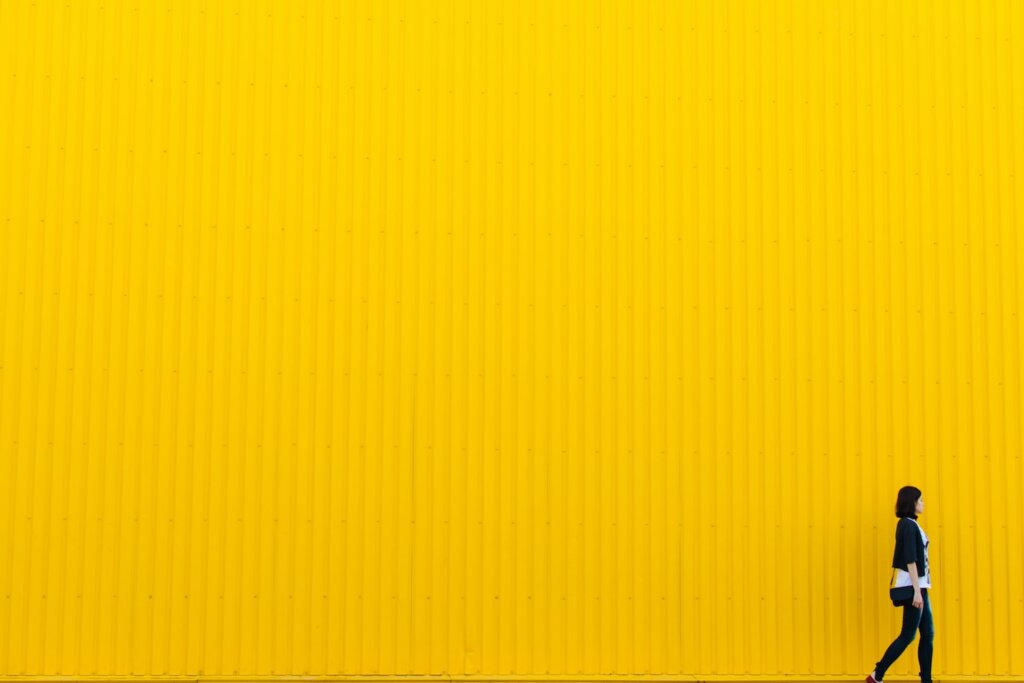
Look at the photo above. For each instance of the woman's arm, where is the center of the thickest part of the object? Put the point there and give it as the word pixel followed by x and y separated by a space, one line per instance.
pixel 918 601
pixel 907 536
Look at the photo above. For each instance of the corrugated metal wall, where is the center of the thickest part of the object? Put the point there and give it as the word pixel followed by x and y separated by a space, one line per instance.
pixel 506 338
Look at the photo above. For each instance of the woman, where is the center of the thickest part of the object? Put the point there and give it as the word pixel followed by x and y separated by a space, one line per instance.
pixel 910 562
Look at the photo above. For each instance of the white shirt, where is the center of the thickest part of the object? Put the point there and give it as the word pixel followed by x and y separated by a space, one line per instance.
pixel 925 580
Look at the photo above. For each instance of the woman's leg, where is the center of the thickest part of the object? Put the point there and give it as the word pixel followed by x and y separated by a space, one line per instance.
pixel 924 648
pixel 911 621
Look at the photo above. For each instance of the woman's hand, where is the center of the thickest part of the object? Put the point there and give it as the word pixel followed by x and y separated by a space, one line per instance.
pixel 918 600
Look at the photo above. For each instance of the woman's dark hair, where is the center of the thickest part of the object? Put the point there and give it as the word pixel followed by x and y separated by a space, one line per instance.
pixel 906 501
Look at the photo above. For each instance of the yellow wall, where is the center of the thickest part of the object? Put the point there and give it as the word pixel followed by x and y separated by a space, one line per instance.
pixel 507 338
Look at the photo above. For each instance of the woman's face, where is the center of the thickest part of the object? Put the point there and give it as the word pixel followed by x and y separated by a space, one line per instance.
pixel 919 507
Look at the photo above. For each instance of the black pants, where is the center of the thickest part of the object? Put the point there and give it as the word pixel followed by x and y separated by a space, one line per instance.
pixel 913 619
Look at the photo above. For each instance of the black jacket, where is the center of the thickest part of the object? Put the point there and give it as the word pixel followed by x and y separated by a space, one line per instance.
pixel 909 546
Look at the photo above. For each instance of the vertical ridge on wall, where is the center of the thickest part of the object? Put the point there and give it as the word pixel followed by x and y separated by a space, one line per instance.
pixel 502 339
